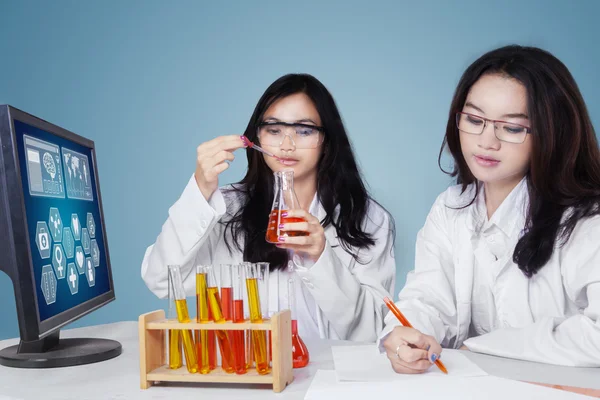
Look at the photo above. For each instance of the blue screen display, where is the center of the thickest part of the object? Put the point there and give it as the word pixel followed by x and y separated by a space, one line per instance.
pixel 63 218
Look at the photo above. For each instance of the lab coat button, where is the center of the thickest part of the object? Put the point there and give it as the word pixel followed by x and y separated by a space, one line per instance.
pixel 297 259
pixel 310 285
pixel 203 224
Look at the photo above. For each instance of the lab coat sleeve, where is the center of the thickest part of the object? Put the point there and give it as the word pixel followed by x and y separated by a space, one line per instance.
pixel 427 299
pixel 183 235
pixel 351 297
pixel 573 341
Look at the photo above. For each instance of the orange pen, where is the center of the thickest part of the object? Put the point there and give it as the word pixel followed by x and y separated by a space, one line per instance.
pixel 405 322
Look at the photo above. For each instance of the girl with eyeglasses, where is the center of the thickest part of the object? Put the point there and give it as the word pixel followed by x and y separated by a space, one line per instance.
pixel 343 266
pixel 508 261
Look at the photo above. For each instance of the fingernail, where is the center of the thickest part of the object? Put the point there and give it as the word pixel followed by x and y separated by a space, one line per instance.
pixel 428 346
pixel 434 357
pixel 281 226
pixel 281 239
pixel 284 214
pixel 278 244
pixel 244 139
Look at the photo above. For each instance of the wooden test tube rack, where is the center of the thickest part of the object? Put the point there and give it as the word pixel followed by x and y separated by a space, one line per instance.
pixel 154 368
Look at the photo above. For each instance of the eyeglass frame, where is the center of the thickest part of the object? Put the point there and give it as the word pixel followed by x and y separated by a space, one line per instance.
pixel 320 129
pixel 493 121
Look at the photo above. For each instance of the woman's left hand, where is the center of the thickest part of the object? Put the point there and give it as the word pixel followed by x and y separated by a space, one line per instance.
pixel 313 244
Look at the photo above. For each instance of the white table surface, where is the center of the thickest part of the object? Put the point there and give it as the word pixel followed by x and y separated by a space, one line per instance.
pixel 119 378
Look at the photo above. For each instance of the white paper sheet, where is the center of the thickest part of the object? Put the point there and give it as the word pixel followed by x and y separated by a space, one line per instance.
pixel 326 387
pixel 364 363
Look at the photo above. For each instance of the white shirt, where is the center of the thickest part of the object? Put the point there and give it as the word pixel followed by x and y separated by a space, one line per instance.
pixel 348 295
pixel 491 248
pixel 459 293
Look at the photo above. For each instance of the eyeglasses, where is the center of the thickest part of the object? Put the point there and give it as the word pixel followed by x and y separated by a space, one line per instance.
pixel 504 131
pixel 303 136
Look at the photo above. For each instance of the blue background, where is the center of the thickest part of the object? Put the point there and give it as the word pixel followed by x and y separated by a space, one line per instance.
pixel 38 209
pixel 149 81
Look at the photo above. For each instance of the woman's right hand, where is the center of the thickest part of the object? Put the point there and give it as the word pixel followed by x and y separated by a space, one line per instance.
pixel 212 157
pixel 410 351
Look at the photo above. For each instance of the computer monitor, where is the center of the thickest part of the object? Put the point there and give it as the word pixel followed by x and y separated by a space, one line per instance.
pixel 52 240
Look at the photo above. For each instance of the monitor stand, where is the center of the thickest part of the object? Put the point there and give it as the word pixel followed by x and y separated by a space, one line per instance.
pixel 52 352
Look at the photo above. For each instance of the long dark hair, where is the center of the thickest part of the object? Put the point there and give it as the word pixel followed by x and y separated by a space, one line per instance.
pixel 564 171
pixel 340 188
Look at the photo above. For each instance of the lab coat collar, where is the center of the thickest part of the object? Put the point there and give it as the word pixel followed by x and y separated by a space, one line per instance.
pixel 508 217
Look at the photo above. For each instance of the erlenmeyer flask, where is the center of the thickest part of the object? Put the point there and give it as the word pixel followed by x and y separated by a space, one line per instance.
pixel 300 356
pixel 285 199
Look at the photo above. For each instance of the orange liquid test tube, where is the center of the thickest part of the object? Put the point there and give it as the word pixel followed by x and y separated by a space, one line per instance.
pixel 227 304
pixel 214 301
pixel 238 338
pixel 212 343
pixel 222 338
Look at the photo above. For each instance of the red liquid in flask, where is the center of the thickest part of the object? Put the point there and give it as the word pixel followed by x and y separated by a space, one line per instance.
pixel 275 219
pixel 300 355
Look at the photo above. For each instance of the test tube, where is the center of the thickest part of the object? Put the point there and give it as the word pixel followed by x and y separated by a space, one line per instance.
pixel 175 359
pixel 214 301
pixel 205 347
pixel 238 337
pixel 249 343
pixel 263 289
pixel 175 349
pixel 226 284
pixel 256 273
pixel 227 291
pixel 183 316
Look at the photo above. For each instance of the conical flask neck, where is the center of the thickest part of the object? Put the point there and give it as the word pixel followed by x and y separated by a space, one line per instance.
pixel 285 197
pixel 285 180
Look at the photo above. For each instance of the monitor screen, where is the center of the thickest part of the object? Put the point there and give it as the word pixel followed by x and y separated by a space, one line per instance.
pixel 68 252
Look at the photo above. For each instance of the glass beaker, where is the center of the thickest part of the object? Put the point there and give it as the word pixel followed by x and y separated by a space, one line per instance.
pixel 284 199
pixel 189 348
pixel 300 356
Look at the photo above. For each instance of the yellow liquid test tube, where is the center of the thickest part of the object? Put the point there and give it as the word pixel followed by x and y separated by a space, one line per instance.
pixel 189 349
pixel 259 338
pixel 224 343
pixel 175 359
pixel 203 347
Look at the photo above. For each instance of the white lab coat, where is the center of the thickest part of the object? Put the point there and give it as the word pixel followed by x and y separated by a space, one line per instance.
pixel 349 295
pixel 553 317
